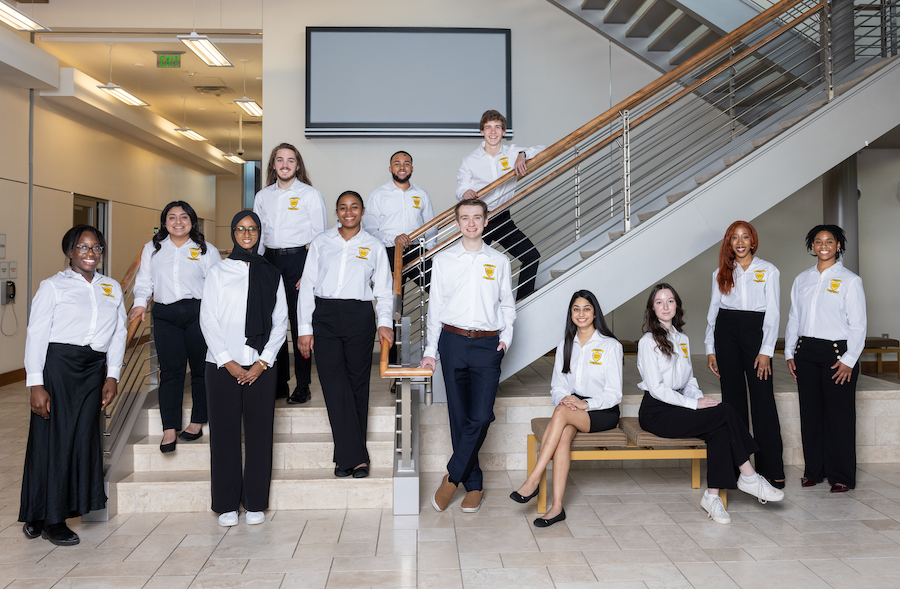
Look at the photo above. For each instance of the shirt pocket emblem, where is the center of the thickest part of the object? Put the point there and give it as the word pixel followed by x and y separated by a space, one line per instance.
pixel 292 204
pixel 596 356
pixel 504 162
pixel 107 290
pixel 684 349
pixel 760 275
pixel 489 272
pixel 194 254
pixel 363 253
pixel 834 286
pixel 417 202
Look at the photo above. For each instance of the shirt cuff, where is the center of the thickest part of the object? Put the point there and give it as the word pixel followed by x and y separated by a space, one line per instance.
pixel 113 372
pixel 848 360
pixel 386 323
pixel 268 356
pixel 711 349
pixel 691 403
pixel 767 351
pixel 304 329
pixel 430 352
pixel 139 303
pixel 34 379
pixel 222 359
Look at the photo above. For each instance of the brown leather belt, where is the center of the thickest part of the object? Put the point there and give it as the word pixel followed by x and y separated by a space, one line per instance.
pixel 470 333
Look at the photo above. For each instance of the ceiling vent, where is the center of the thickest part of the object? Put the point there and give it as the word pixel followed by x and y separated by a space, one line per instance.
pixel 216 90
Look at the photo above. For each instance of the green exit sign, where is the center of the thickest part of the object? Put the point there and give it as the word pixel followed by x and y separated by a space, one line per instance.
pixel 168 60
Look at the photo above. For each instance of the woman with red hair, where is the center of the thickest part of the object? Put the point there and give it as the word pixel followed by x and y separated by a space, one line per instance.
pixel 740 340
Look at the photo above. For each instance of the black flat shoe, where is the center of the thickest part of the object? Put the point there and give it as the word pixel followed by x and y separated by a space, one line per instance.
pixel 186 435
pixel 361 472
pixel 299 396
pixel 342 472
pixel 60 534
pixel 166 448
pixel 515 496
pixel 546 523
pixel 776 484
pixel 33 530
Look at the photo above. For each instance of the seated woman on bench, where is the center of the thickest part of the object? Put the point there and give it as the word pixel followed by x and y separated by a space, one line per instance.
pixel 674 407
pixel 586 389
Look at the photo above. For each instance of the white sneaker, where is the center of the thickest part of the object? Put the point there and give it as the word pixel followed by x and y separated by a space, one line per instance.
pixel 228 519
pixel 255 517
pixel 713 506
pixel 760 488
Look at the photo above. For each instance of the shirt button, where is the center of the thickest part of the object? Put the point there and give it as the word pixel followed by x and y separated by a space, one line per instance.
pixel 835 345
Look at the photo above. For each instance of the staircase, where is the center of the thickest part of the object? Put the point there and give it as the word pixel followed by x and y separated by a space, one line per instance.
pixel 303 469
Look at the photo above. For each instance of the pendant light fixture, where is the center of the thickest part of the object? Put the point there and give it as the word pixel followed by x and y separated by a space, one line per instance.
pixel 248 104
pixel 117 91
pixel 235 159
pixel 203 47
pixel 19 20
pixel 184 130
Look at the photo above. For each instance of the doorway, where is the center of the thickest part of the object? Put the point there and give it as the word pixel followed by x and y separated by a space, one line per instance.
pixel 90 211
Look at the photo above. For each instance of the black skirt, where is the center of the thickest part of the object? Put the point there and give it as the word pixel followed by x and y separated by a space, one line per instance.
pixel 63 475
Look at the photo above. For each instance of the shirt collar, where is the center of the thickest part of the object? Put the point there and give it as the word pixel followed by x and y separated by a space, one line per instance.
pixel 503 149
pixel 333 233
pixel 596 337
pixel 459 250
pixel 69 273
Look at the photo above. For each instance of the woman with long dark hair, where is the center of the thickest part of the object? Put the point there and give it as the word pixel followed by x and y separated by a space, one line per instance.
pixel 244 320
pixel 73 357
pixel 173 269
pixel 674 407
pixel 586 388
pixel 742 326
pixel 347 268
pixel 825 335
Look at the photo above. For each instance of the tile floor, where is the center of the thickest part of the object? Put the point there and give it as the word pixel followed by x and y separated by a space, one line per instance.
pixel 625 528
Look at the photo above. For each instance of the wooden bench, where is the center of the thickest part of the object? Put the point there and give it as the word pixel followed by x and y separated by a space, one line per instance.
pixel 626 442
pixel 874 345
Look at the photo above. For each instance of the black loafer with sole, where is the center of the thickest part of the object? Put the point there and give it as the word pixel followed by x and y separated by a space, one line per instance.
pixel 60 534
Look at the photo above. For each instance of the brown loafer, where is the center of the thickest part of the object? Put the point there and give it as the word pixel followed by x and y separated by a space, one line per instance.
pixel 839 488
pixel 472 502
pixel 805 482
pixel 442 496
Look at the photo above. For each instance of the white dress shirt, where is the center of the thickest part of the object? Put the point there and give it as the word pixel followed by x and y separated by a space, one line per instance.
pixel 173 273
pixel 67 309
pixel 470 290
pixel 337 268
pixel 391 211
pixel 755 289
pixel 223 316
pixel 830 305
pixel 291 217
pixel 669 379
pixel 595 372
pixel 479 169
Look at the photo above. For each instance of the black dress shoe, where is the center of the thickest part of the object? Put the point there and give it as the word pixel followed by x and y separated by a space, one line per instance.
pixel 186 435
pixel 300 395
pixel 342 472
pixel 33 529
pixel 515 496
pixel 546 523
pixel 166 448
pixel 60 534
pixel 776 484
pixel 361 472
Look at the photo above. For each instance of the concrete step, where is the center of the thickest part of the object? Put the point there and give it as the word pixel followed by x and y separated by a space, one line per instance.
pixel 614 235
pixel 290 452
pixel 705 177
pixel 644 216
pixel 309 418
pixel 160 492
pixel 791 122
pixel 670 198
pixel 758 142
pixel 587 254
pixel 731 160
pixel 554 274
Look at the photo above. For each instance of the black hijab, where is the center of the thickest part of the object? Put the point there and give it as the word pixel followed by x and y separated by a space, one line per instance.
pixel 263 289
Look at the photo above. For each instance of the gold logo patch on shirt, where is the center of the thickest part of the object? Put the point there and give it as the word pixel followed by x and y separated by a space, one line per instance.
pixel 292 204
pixel 596 356
pixel 504 161
pixel 835 285
pixel 417 202
pixel 489 271
pixel 195 254
pixel 107 290
pixel 760 275
pixel 684 349
pixel 363 253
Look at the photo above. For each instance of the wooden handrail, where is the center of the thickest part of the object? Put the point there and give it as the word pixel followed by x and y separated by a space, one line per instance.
pixel 604 119
pixel 132 270
pixel 386 371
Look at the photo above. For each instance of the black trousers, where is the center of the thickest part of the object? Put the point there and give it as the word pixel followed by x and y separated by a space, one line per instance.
pixel 728 443
pixel 419 278
pixel 179 341
pixel 471 369
pixel 291 268
pixel 63 475
pixel 502 229
pixel 738 336
pixel 230 406
pixel 827 412
pixel 344 333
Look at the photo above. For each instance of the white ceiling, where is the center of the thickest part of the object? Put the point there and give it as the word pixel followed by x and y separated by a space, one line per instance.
pixel 211 115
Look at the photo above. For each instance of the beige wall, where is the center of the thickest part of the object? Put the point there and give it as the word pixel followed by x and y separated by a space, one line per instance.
pixel 229 193
pixel 560 80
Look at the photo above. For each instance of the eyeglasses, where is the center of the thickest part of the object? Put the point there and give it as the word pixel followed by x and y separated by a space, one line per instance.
pixel 83 249
pixel 250 230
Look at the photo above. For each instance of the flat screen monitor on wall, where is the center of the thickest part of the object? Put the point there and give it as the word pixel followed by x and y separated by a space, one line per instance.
pixel 429 82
